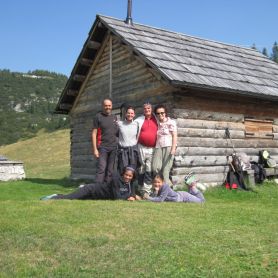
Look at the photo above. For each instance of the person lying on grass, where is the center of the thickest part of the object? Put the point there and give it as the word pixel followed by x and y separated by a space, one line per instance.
pixel 163 192
pixel 119 188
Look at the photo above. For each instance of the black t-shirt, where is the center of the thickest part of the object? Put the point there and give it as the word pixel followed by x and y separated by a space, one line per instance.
pixel 108 130
pixel 120 189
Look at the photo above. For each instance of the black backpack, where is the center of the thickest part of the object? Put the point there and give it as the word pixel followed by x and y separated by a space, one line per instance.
pixel 259 172
pixel 266 160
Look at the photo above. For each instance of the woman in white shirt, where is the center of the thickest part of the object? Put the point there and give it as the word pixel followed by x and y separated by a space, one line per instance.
pixel 128 132
pixel 166 143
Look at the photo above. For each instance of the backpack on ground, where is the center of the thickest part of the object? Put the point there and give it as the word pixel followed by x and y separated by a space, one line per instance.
pixel 235 178
pixel 259 172
pixel 244 161
pixel 241 162
pixel 266 160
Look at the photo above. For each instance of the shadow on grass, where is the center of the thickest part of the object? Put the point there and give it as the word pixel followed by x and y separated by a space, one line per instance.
pixel 65 182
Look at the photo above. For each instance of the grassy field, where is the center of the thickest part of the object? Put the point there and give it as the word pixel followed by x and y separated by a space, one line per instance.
pixel 234 234
pixel 44 156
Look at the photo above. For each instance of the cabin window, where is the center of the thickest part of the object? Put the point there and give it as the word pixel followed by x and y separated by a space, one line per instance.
pixel 257 128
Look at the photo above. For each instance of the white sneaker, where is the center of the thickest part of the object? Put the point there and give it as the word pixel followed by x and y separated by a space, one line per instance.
pixel 201 186
pixel 49 197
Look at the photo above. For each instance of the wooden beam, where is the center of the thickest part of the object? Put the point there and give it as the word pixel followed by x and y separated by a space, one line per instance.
pixel 79 77
pixel 91 69
pixel 71 92
pixel 86 62
pixel 93 45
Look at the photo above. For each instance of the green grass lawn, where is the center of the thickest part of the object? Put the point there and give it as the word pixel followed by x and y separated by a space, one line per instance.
pixel 234 234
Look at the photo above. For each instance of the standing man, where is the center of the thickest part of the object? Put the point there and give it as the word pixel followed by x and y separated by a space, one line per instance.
pixel 105 141
pixel 146 145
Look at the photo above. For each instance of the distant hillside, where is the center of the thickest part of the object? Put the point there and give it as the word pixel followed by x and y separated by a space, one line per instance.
pixel 47 155
pixel 27 102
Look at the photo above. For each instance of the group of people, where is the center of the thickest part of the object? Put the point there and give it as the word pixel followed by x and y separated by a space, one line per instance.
pixel 142 147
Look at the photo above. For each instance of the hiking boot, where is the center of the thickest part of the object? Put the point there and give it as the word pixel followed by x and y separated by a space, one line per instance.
pixel 234 186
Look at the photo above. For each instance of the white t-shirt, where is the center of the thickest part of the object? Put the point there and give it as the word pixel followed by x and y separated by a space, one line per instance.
pixel 128 132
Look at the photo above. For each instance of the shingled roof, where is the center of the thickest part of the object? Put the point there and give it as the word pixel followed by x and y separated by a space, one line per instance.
pixel 186 61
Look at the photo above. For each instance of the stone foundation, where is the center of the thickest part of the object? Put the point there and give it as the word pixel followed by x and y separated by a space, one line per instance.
pixel 11 170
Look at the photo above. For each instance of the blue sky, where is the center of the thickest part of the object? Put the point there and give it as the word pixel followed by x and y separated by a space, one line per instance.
pixel 49 34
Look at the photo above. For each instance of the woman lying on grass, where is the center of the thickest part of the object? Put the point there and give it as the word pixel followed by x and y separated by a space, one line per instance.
pixel 120 188
pixel 162 192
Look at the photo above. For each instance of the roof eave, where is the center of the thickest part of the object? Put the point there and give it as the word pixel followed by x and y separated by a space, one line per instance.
pixel 225 90
pixel 74 72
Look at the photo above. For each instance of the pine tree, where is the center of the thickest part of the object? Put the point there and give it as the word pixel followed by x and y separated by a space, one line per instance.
pixel 265 52
pixel 254 46
pixel 274 55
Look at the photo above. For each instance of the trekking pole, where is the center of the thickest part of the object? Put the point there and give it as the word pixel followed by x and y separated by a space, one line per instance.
pixel 228 135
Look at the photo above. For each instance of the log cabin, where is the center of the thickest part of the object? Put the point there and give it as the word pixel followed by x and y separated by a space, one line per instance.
pixel 208 86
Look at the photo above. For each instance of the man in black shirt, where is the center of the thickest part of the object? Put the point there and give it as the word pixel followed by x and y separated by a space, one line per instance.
pixel 105 141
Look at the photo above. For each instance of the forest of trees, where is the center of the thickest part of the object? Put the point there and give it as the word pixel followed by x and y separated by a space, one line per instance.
pixel 273 55
pixel 27 103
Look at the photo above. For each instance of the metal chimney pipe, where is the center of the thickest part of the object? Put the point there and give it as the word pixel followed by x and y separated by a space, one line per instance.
pixel 128 17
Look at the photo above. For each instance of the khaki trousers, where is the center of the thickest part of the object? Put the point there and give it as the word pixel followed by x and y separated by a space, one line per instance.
pixel 162 163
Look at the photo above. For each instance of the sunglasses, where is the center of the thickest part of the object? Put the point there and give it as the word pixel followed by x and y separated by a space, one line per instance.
pixel 160 113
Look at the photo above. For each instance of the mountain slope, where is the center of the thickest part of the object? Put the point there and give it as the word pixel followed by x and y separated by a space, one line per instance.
pixel 27 102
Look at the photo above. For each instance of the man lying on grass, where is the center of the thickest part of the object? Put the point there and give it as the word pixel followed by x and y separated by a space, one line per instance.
pixel 163 192
pixel 119 188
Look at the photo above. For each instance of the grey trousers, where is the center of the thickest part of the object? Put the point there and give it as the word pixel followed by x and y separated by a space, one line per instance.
pixel 193 196
pixel 145 170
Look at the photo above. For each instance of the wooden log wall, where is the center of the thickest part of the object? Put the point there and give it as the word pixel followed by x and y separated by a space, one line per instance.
pixel 201 116
pixel 202 144
pixel 132 82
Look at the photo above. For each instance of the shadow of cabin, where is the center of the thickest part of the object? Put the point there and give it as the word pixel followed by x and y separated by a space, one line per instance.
pixel 208 86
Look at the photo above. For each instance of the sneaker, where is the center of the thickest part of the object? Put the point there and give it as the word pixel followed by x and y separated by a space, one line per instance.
pixel 188 176
pixel 190 179
pixel 201 186
pixel 81 185
pixel 49 197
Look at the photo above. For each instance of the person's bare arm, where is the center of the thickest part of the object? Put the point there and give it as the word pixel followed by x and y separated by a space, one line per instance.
pixel 94 143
